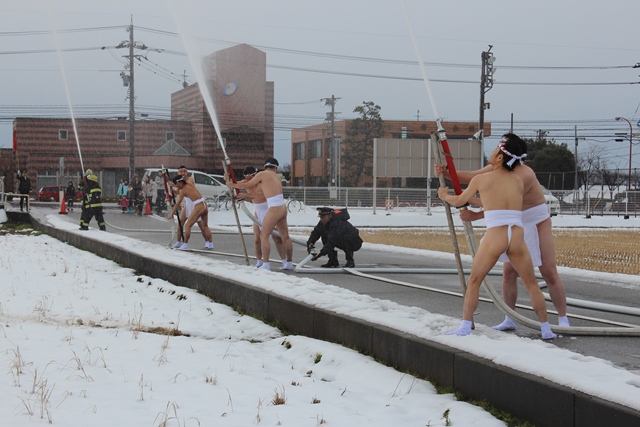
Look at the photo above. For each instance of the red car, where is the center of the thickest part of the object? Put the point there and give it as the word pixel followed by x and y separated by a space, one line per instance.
pixel 52 193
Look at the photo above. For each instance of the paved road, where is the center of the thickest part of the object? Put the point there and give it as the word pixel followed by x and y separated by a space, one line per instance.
pixel 622 351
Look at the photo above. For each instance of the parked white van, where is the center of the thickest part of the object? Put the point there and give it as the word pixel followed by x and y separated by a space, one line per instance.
pixel 553 204
pixel 208 185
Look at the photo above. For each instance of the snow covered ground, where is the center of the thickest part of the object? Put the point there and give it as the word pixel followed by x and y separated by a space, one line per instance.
pixel 86 343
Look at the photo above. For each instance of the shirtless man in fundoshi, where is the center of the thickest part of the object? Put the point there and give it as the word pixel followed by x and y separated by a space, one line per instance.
pixel 276 216
pixel 501 193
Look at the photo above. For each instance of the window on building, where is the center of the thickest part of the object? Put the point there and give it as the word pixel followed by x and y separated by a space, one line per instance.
pixel 171 136
pixel 315 149
pixel 63 134
pixel 298 182
pixel 122 135
pixel 315 181
pixel 298 151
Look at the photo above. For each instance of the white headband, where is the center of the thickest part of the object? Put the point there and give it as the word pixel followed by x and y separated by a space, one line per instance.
pixel 513 157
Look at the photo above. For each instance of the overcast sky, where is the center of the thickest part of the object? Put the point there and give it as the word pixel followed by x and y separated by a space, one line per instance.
pixel 356 50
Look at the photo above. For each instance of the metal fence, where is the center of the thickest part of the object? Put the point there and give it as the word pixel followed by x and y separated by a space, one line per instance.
pixel 362 197
pixel 598 202
pixel 410 198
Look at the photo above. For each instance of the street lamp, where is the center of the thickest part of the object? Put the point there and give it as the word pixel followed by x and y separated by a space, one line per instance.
pixel 630 158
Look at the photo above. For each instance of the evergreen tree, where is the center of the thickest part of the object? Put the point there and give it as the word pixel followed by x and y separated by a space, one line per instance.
pixel 357 154
pixel 546 158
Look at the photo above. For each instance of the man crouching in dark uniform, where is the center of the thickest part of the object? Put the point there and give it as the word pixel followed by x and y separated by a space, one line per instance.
pixel 336 232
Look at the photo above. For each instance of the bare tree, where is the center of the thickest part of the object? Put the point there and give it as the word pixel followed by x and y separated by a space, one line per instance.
pixel 589 165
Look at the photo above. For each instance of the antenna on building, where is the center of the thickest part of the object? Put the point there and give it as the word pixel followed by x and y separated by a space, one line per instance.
pixel 184 79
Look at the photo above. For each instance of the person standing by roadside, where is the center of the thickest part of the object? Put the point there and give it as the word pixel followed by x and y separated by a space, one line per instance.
pixel 136 197
pixel 123 188
pixel 276 217
pixel 255 195
pixel 161 201
pixel 196 208
pixel 204 226
pixel 149 189
pixel 538 236
pixel 70 194
pixel 24 188
pixel 501 193
pixel 92 200
pixel 123 191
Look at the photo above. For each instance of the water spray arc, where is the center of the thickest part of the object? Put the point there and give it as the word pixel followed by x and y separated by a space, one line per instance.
pixel 206 93
pixel 66 85
pixel 442 151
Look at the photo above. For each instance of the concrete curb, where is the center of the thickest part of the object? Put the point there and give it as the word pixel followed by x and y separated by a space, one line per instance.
pixel 525 396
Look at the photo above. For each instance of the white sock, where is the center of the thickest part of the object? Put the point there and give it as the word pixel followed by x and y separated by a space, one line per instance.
pixel 259 263
pixel 563 321
pixel 547 334
pixel 177 244
pixel 508 324
pixel 464 329
pixel 287 265
pixel 265 266
pixel 184 246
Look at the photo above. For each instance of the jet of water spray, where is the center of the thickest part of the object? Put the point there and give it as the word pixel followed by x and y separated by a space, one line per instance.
pixel 64 79
pixel 423 69
pixel 195 60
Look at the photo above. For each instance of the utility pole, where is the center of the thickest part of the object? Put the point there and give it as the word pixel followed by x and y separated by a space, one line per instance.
pixel 334 149
pixel 626 216
pixel 128 80
pixel 486 83
pixel 575 185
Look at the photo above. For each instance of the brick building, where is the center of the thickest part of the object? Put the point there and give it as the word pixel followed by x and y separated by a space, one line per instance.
pixel 240 94
pixel 310 149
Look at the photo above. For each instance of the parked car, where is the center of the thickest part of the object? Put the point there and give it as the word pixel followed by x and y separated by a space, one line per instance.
pixel 51 193
pixel 210 186
pixel 553 204
pixel 219 178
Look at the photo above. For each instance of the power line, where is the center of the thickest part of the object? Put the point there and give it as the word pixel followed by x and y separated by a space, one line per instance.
pixel 310 53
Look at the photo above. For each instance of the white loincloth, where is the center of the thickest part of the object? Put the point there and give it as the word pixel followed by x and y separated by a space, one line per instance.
pixel 275 201
pixel 531 218
pixel 261 210
pixel 189 205
pixel 498 218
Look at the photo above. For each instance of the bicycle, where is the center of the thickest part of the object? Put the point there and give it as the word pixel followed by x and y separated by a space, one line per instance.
pixel 228 203
pixel 294 205
pixel 214 203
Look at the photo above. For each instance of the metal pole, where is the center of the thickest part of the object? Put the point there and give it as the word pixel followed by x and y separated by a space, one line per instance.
pixel 486 83
pixel 132 115
pixel 481 120
pixel 626 216
pixel 375 173
pixel 575 186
